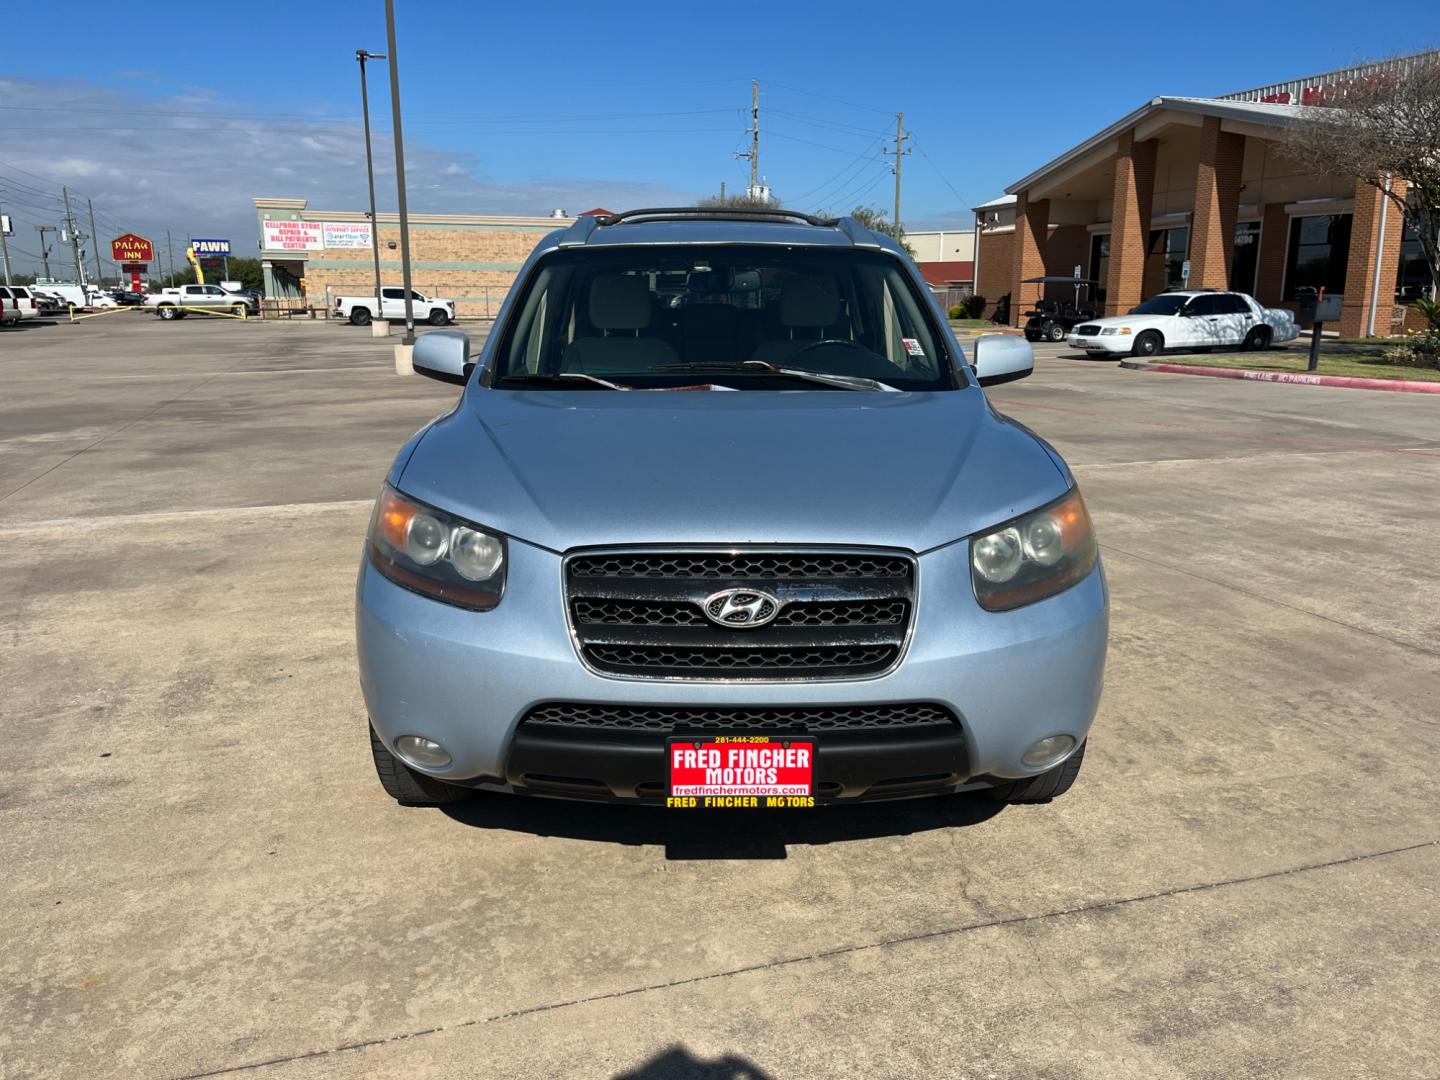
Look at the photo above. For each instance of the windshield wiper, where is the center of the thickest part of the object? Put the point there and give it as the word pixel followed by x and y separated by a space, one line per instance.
pixel 563 377
pixel 847 382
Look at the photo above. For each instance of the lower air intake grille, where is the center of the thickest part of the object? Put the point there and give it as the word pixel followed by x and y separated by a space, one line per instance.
pixel 650 718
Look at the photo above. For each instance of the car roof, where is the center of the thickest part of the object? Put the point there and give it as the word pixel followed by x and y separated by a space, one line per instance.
pixel 720 225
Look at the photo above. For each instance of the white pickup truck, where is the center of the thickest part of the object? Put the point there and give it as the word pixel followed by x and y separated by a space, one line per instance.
pixel 361 309
pixel 171 303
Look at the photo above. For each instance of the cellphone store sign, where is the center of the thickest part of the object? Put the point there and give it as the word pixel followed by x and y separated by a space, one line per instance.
pixel 292 235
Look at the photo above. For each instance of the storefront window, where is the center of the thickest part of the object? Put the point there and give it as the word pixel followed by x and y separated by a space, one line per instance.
pixel 1319 253
pixel 1172 244
pixel 1247 257
pixel 1412 279
pixel 1100 262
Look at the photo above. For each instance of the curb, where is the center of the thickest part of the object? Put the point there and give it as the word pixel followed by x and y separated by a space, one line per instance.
pixel 1303 378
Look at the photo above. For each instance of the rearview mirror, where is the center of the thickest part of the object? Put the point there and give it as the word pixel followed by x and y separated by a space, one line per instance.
pixel 1001 358
pixel 443 355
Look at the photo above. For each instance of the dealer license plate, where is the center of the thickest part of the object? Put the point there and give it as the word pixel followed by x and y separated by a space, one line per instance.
pixel 759 771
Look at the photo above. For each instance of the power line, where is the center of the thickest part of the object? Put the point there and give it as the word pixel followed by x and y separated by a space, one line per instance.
pixel 823 97
pixel 964 201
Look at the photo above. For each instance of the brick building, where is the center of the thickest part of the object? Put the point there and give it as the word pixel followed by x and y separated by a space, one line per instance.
pixel 1203 184
pixel 471 259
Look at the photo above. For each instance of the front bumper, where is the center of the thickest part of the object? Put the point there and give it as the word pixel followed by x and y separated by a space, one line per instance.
pixel 466 679
pixel 1110 343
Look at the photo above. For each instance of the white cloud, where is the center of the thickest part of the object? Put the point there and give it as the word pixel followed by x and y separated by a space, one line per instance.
pixel 197 174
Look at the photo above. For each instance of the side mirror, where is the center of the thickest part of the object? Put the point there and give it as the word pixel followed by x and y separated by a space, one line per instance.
pixel 443 355
pixel 1000 358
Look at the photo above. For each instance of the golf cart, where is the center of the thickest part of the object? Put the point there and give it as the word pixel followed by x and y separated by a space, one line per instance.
pixel 1051 320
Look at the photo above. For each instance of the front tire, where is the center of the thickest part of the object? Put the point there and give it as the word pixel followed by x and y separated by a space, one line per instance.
pixel 408 787
pixel 359 316
pixel 239 309
pixel 1147 344
pixel 439 318
pixel 1041 789
pixel 1055 332
pixel 1257 339
pixel 168 312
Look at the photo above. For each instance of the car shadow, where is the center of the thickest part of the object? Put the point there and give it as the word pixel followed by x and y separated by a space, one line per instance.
pixel 36 323
pixel 720 834
pixel 677 1063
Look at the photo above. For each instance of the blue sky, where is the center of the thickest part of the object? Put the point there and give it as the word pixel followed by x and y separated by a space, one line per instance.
pixel 518 108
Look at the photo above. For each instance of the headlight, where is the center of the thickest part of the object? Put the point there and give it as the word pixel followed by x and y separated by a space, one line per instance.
pixel 436 554
pixel 1034 556
pixel 1116 330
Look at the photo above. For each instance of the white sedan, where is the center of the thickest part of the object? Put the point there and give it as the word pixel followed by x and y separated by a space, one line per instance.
pixel 1192 319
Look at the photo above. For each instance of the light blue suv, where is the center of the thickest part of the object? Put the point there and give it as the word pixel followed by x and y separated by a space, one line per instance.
pixel 723 518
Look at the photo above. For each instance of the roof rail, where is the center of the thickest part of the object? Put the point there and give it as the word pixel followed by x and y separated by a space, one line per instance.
pixel 579 232
pixel 716 213
pixel 859 235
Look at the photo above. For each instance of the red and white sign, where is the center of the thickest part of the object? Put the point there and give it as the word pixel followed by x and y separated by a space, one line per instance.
pixel 713 767
pixel 131 249
pixel 292 235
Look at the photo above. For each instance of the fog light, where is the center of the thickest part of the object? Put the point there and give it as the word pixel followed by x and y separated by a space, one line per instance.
pixel 422 753
pixel 1045 752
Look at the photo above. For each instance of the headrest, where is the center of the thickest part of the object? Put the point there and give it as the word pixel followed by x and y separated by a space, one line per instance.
pixel 620 302
pixel 809 300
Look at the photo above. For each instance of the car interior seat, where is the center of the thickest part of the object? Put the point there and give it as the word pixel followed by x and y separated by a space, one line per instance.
pixel 809 307
pixel 620 310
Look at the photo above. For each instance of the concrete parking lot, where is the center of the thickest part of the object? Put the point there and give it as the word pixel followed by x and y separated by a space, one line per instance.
pixel 201 875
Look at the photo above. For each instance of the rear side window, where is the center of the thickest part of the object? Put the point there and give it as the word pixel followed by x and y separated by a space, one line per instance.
pixel 639 314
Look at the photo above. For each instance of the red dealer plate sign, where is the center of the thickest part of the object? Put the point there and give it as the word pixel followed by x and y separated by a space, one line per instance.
pixel 132 249
pixel 740 770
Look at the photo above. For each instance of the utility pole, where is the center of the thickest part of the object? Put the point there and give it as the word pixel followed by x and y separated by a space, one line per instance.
pixel 409 338
pixel 754 132
pixel 722 192
pixel 74 239
pixel 95 244
pixel 45 251
pixel 169 247
pixel 5 249
pixel 901 138
pixel 361 55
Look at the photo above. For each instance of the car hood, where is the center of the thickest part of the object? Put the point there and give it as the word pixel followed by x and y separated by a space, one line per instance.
pixel 565 469
pixel 1135 322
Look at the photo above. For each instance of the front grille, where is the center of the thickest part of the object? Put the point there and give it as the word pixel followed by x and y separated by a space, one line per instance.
pixel 590 717
pixel 592 610
pixel 744 566
pixel 1088 330
pixel 805 615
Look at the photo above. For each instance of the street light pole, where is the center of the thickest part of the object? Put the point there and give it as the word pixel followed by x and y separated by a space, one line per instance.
pixel 409 338
pixel 361 55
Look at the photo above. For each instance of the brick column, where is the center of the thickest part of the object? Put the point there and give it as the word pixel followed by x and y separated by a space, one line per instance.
pixel 1274 247
pixel 1217 205
pixel 1366 244
pixel 1032 221
pixel 1129 223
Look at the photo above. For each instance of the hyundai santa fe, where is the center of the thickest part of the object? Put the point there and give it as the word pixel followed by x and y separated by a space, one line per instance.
pixel 722 517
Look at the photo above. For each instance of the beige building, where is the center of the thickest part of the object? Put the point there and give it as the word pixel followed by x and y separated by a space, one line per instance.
pixel 469 258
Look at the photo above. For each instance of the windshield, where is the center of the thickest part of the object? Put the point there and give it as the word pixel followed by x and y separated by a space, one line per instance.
pixel 1169 304
pixel 664 317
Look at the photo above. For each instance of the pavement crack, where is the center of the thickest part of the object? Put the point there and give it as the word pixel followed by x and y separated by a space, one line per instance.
pixel 822 954
pixel 1108 548
pixel 111 434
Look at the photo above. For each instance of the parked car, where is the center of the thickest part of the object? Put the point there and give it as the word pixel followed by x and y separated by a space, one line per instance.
pixel 1187 319
pixel 600 576
pixel 126 297
pixel 16 304
pixel 80 296
pixel 48 305
pixel 172 303
pixel 361 309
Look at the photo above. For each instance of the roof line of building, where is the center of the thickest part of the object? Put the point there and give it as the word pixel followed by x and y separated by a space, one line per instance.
pixel 1253 111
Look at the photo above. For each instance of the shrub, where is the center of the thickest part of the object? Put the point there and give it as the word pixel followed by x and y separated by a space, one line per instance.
pixel 974 306
pixel 1429 310
pixel 958 312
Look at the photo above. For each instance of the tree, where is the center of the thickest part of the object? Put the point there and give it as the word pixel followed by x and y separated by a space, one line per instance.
pixel 245 271
pixel 1381 130
pixel 875 220
pixel 718 201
